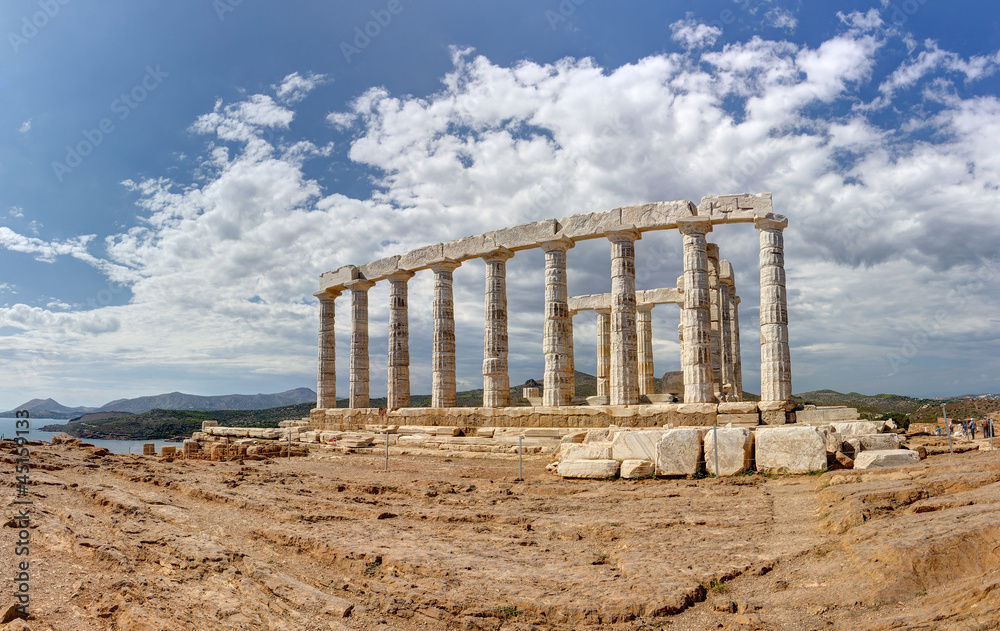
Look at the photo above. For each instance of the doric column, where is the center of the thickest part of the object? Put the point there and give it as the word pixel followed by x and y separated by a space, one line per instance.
pixel 624 339
pixel 644 329
pixel 359 341
pixel 326 379
pixel 712 250
pixel 725 327
pixel 696 350
pixel 775 362
pixel 556 331
pixel 496 380
pixel 398 391
pixel 603 352
pixel 443 392
pixel 571 373
pixel 734 323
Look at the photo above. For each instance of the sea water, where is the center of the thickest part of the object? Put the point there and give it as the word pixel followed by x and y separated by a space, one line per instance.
pixel 8 427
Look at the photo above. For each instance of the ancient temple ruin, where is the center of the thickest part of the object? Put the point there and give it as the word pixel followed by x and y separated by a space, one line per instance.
pixel 709 324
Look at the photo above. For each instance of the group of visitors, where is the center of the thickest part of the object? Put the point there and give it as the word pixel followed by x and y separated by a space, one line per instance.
pixel 967 429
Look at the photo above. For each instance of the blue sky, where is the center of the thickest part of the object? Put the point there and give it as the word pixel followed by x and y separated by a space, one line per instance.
pixel 174 176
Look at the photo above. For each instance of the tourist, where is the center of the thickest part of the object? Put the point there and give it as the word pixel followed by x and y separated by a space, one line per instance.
pixel 972 429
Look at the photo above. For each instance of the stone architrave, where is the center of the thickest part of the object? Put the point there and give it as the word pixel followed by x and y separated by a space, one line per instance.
pixel 644 330
pixel 696 354
pixel 326 379
pixel 715 318
pixel 359 341
pixel 556 387
pixel 726 330
pixel 775 361
pixel 734 323
pixel 624 378
pixel 496 379
pixel 443 390
pixel 603 352
pixel 398 389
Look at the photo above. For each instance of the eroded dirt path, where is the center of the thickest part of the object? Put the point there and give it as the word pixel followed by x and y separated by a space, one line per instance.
pixel 332 541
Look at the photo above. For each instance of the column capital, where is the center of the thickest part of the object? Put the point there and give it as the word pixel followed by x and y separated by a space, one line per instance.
pixel 359 284
pixel 605 311
pixel 400 275
pixel 560 243
pixel 771 222
pixel 499 255
pixel 694 225
pixel 726 279
pixel 444 265
pixel 645 307
pixel 680 284
pixel 737 299
pixel 622 233
pixel 328 294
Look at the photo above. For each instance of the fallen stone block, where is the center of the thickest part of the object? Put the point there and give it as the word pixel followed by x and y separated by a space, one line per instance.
pixel 857 427
pixel 637 468
pixel 589 451
pixel 797 449
pixel 679 452
pixel 858 443
pixel 739 420
pixel 885 458
pixel 735 450
pixel 636 444
pixel 588 469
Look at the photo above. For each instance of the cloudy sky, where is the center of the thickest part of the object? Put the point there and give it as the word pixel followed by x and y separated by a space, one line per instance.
pixel 174 176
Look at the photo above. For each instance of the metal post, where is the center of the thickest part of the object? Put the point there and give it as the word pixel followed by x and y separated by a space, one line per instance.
pixel 990 423
pixel 289 443
pixel 387 451
pixel 520 450
pixel 947 429
pixel 715 439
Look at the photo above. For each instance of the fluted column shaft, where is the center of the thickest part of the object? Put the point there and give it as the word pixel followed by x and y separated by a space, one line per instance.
pixel 326 378
pixel 603 352
pixel 726 347
pixel 715 319
pixel 734 323
pixel 571 373
pixel 359 342
pixel 496 380
pixel 443 390
pixel 775 360
pixel 556 330
pixel 696 349
pixel 398 389
pixel 624 378
pixel 644 329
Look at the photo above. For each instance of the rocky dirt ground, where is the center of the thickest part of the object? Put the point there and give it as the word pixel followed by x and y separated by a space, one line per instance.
pixel 446 542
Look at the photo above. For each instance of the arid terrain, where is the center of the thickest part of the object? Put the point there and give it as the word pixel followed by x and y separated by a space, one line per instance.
pixel 332 541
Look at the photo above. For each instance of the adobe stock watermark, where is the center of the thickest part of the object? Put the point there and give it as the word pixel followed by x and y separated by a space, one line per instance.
pixel 122 107
pixel 911 345
pixel 32 25
pixel 222 7
pixel 364 35
pixel 22 519
pixel 565 9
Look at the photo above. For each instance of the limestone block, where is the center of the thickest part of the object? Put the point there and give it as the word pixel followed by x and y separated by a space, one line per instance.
pixel 599 435
pixel 421 258
pixel 660 296
pixel 168 450
pixel 679 452
pixel 524 236
pixel 740 420
pixel 637 468
pixel 885 458
pixel 798 449
pixel 599 400
pixel 826 415
pixel 773 417
pixel 543 432
pixel 637 444
pixel 737 208
pixel 588 451
pixel 588 469
pixel 378 270
pixel 469 247
pixel 657 215
pixel 206 424
pixel 589 225
pixel 854 428
pixel 735 450
pixel 673 383
pixel 338 277
pixel 576 436
pixel 588 302
pixel 858 443
pixel 738 407
pixel 655 399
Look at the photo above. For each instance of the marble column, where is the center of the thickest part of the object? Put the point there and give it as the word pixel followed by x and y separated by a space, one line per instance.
pixel 443 391
pixel 556 330
pixel 644 330
pixel 603 352
pixel 624 378
pixel 726 347
pixel 398 391
pixel 496 380
pixel 775 361
pixel 734 322
pixel 359 341
pixel 326 379
pixel 715 338
pixel 571 373
pixel 696 350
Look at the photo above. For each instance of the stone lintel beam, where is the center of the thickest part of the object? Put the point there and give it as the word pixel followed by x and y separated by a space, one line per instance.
pixel 589 302
pixel 661 296
pixel 380 269
pixel 735 208
pixel 337 279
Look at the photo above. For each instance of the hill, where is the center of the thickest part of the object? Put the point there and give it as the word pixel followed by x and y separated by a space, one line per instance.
pixel 46 408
